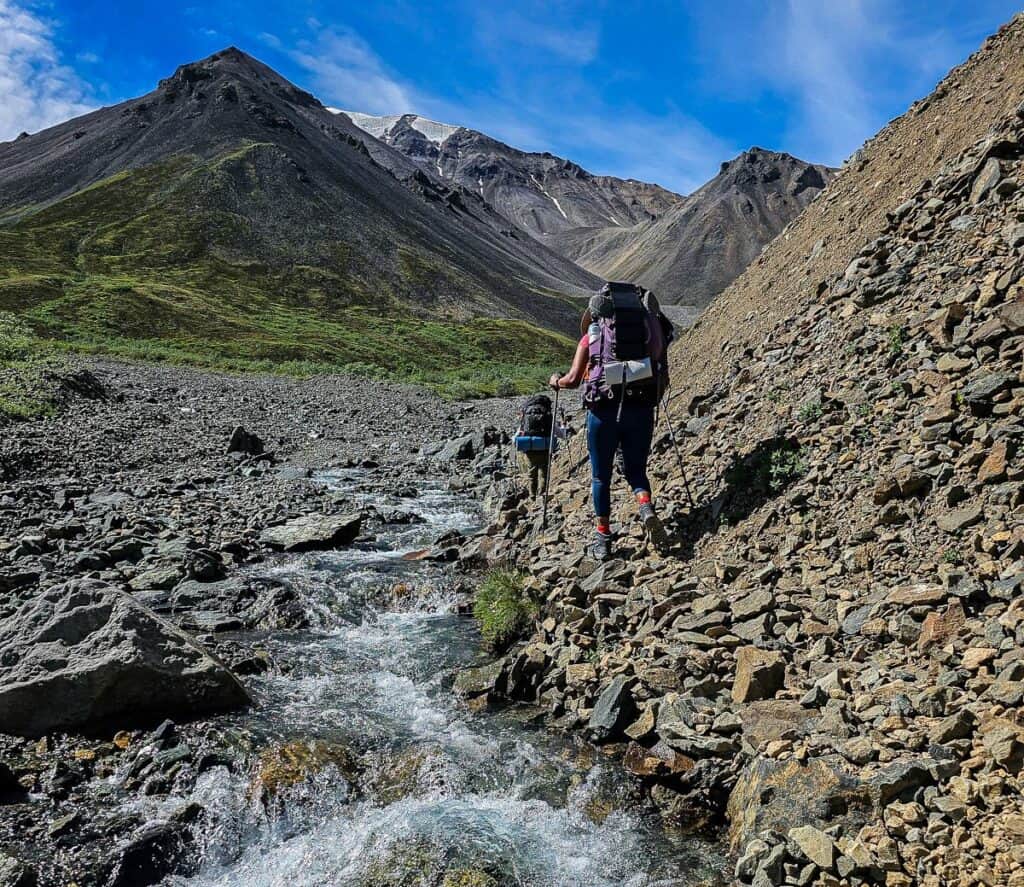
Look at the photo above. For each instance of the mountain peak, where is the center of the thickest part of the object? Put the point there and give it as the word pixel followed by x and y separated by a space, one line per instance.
pixel 232 66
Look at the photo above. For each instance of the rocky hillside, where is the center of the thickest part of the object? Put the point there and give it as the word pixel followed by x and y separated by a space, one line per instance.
pixel 539 192
pixel 829 658
pixel 695 249
pixel 228 217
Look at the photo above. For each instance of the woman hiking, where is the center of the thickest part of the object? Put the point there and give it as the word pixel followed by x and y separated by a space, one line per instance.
pixel 621 362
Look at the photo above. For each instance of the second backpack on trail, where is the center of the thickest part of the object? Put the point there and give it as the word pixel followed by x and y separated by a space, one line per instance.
pixel 537 417
pixel 536 421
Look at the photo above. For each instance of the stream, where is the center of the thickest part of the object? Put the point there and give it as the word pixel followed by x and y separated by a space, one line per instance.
pixel 459 798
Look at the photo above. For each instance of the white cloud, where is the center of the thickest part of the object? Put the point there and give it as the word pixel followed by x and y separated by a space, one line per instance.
pixel 349 74
pixel 36 89
pixel 833 73
pixel 671 149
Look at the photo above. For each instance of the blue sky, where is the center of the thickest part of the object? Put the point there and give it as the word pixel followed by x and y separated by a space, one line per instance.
pixel 656 90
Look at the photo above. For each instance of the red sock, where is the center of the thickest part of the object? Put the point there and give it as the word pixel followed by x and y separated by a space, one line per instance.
pixel 643 498
pixel 604 525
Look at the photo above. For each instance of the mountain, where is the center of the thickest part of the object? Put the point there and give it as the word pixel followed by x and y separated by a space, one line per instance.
pixel 228 217
pixel 539 192
pixel 843 595
pixel 698 246
pixel 687 249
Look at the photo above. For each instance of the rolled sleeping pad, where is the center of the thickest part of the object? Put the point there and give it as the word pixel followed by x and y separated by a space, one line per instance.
pixel 532 443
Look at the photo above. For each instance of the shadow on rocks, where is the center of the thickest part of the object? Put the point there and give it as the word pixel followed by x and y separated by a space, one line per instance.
pixel 750 481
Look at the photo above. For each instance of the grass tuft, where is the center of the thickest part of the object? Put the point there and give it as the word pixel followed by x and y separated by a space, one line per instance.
pixel 503 608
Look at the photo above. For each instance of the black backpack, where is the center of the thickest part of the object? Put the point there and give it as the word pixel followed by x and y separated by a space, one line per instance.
pixel 536 416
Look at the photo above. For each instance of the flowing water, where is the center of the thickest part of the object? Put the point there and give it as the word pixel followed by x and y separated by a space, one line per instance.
pixel 453 794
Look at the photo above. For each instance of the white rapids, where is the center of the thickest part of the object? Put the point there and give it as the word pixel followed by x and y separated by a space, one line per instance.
pixel 490 793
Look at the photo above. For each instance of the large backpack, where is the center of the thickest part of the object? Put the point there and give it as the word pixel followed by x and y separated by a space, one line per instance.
pixel 536 416
pixel 628 340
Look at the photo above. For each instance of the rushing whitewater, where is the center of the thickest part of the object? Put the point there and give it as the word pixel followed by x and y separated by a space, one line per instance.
pixel 483 793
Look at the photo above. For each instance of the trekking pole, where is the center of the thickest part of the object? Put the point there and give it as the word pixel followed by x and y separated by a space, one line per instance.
pixel 679 458
pixel 551 450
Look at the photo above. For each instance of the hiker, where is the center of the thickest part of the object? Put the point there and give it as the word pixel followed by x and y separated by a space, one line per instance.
pixel 621 361
pixel 534 443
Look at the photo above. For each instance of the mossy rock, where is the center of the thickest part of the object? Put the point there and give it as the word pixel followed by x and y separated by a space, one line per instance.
pixel 410 865
pixel 401 775
pixel 283 766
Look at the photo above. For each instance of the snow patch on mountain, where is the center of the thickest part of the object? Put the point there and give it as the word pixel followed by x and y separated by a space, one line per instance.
pixel 380 126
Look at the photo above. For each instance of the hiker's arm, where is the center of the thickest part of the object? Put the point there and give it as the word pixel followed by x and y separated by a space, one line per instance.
pixel 574 377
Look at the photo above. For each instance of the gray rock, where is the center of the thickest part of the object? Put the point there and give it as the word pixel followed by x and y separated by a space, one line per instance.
pixel 893 780
pixel 479 680
pixel 313 532
pixel 461 448
pixel 960 519
pixel 615 709
pixel 986 180
pixel 14 873
pixel 980 391
pixel 815 845
pixel 750 860
pixel 87 654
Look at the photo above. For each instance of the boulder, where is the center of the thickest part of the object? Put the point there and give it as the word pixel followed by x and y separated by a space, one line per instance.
pixel 14 873
pixel 782 795
pixel 245 442
pixel 759 674
pixel 86 654
pixel 155 850
pixel 313 532
pixel 615 709
pixel 960 519
pixel 480 679
pixel 461 448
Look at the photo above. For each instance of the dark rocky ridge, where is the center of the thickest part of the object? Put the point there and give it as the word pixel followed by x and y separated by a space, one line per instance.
pixel 687 249
pixel 539 192
pixel 697 247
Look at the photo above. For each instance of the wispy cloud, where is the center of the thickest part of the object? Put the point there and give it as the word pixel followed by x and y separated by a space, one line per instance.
pixel 36 88
pixel 832 69
pixel 349 74
pixel 672 149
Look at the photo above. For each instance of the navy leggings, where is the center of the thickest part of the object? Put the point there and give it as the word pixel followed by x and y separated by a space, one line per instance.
pixel 605 434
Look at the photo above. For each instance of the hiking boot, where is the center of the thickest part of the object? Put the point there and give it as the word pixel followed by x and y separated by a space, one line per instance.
pixel 653 525
pixel 601 548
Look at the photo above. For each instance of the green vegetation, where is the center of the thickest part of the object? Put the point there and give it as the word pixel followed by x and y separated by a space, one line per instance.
pixel 23 372
pixel 139 267
pixel 503 608
pixel 810 411
pixel 897 339
pixel 952 556
pixel 785 465
pixel 767 470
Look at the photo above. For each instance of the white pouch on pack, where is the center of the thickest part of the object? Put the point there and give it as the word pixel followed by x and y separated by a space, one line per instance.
pixel 618 371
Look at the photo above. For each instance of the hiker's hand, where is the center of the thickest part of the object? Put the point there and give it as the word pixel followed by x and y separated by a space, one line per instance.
pixel 554 380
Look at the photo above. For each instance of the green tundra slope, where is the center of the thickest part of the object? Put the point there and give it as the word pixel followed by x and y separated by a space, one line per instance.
pixel 228 220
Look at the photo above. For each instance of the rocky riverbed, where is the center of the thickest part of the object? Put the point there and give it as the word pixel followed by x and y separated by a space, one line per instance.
pixel 229 626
